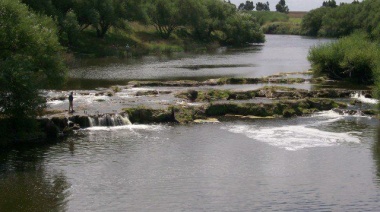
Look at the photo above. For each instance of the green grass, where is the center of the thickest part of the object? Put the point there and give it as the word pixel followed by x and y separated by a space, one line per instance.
pixel 280 23
pixel 264 17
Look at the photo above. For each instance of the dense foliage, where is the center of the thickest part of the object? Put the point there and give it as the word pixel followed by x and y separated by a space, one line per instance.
pixel 205 21
pixel 260 6
pixel 354 57
pixel 282 7
pixel 200 20
pixel 29 59
pixel 248 5
pixel 344 19
pixel 264 17
pixel 329 3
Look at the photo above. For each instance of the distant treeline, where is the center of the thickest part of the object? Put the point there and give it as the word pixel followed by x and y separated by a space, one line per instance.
pixel 201 20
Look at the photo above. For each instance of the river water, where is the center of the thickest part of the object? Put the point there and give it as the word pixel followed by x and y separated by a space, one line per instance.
pixel 325 162
pixel 279 54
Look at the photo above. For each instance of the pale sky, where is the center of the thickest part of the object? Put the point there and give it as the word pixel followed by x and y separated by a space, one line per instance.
pixel 294 5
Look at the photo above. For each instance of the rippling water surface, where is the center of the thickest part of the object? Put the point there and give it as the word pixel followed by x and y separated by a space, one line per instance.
pixel 325 162
pixel 279 54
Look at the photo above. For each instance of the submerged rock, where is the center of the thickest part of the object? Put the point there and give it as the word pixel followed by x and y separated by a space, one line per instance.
pixel 147 93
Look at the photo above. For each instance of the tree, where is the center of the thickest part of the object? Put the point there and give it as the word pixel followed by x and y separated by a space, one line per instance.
pixel 312 21
pixel 329 3
pixel 218 11
pixel 242 28
pixel 29 59
pixel 262 6
pixel 195 15
pixel 248 6
pixel 165 17
pixel 101 14
pixel 282 7
pixel 62 13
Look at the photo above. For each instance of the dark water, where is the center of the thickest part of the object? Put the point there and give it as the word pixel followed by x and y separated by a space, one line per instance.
pixel 280 53
pixel 326 162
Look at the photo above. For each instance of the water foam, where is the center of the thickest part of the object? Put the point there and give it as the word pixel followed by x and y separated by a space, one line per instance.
pixel 359 96
pixel 293 137
pixel 127 127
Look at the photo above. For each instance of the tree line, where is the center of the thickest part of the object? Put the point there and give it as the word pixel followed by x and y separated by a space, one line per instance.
pixel 202 20
pixel 262 6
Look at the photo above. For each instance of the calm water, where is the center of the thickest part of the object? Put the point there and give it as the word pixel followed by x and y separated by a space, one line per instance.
pixel 323 163
pixel 326 162
pixel 280 53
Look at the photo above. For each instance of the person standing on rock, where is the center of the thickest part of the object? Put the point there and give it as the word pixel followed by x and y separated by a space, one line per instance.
pixel 71 99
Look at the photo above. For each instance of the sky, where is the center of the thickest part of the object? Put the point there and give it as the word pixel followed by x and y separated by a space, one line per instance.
pixel 294 5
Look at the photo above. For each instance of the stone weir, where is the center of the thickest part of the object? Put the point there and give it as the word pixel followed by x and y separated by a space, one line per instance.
pixel 62 125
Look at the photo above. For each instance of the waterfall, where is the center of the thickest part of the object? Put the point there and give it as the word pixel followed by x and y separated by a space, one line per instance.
pixel 109 120
pixel 361 97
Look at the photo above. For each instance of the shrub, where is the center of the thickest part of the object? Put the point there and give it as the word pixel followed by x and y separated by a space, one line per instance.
pixel 354 57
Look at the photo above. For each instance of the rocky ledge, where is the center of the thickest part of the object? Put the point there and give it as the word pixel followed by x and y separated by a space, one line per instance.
pixel 62 125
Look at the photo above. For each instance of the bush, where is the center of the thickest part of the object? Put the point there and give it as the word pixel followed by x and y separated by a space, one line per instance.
pixel 282 28
pixel 354 57
pixel 264 17
pixel 343 20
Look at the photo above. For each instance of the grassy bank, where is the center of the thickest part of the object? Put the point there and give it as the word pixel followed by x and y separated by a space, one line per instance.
pixel 141 40
pixel 280 23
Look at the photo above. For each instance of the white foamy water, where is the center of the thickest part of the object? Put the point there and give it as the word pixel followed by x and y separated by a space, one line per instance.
pixel 54 102
pixel 297 137
pixel 363 99
pixel 127 127
pixel 294 137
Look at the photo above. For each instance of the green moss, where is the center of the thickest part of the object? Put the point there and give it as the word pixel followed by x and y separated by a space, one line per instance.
pixel 148 115
pixel 289 112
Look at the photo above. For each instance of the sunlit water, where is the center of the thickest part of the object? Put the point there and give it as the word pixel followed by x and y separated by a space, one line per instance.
pixel 324 162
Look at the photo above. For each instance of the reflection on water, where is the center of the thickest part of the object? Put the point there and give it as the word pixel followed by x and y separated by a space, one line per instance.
pixel 27 185
pixel 376 153
pixel 322 162
pixel 279 54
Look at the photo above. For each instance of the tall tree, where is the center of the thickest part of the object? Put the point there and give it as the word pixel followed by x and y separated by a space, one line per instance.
pixel 262 6
pixel 165 16
pixel 195 15
pixel 282 7
pixel 101 14
pixel 62 13
pixel 248 6
pixel 329 3
pixel 29 59
pixel 242 28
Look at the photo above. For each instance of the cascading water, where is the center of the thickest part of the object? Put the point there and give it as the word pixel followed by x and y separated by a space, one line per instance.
pixel 109 120
pixel 361 97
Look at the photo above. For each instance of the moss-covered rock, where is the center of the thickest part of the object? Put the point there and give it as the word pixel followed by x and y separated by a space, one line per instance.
pixel 60 121
pixel 289 112
pixel 147 93
pixel 144 115
pixel 51 130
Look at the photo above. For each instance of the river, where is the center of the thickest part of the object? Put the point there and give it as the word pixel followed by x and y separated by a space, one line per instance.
pixel 323 162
